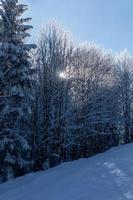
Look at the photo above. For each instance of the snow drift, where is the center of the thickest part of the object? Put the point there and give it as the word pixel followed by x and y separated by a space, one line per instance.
pixel 107 176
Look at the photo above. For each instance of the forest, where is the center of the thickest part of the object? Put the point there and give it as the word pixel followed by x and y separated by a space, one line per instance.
pixel 60 100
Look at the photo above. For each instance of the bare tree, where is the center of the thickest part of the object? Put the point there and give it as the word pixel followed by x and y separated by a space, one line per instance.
pixel 54 55
pixel 125 77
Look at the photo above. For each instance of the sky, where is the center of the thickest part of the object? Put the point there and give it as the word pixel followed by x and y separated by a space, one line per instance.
pixel 109 23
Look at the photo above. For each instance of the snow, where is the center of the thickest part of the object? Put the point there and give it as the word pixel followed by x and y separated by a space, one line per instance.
pixel 107 176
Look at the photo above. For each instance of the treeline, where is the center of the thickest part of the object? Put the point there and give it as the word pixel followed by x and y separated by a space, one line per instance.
pixel 62 100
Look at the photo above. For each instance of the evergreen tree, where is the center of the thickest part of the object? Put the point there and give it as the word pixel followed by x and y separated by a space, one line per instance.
pixel 15 91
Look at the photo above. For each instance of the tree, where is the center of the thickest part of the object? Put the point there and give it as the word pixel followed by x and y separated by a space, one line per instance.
pixel 53 56
pixel 125 79
pixel 93 93
pixel 15 91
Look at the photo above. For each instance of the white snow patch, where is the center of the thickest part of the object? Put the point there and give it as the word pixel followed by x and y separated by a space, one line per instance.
pixel 107 176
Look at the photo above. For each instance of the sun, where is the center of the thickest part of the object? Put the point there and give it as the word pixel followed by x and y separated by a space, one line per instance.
pixel 62 75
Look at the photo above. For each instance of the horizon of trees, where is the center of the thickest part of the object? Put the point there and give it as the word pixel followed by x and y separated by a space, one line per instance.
pixel 61 100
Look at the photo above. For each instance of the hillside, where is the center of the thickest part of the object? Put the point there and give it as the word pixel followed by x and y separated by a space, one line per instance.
pixel 107 176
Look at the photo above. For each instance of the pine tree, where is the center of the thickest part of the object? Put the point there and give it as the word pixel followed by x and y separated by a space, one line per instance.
pixel 15 91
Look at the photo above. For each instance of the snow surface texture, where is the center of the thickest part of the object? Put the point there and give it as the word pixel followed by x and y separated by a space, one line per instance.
pixel 107 176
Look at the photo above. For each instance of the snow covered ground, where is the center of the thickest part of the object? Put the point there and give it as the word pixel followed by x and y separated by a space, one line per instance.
pixel 107 176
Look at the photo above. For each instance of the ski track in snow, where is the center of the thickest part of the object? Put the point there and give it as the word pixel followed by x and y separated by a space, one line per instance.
pixel 107 176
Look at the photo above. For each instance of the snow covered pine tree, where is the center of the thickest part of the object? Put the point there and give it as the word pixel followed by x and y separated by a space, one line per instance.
pixel 15 91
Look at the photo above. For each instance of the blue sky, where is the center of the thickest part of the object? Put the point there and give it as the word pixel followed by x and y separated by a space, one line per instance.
pixel 107 22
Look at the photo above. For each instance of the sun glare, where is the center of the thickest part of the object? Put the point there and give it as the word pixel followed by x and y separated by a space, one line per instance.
pixel 62 75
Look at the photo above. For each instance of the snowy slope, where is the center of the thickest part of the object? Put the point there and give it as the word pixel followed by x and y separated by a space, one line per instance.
pixel 107 176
